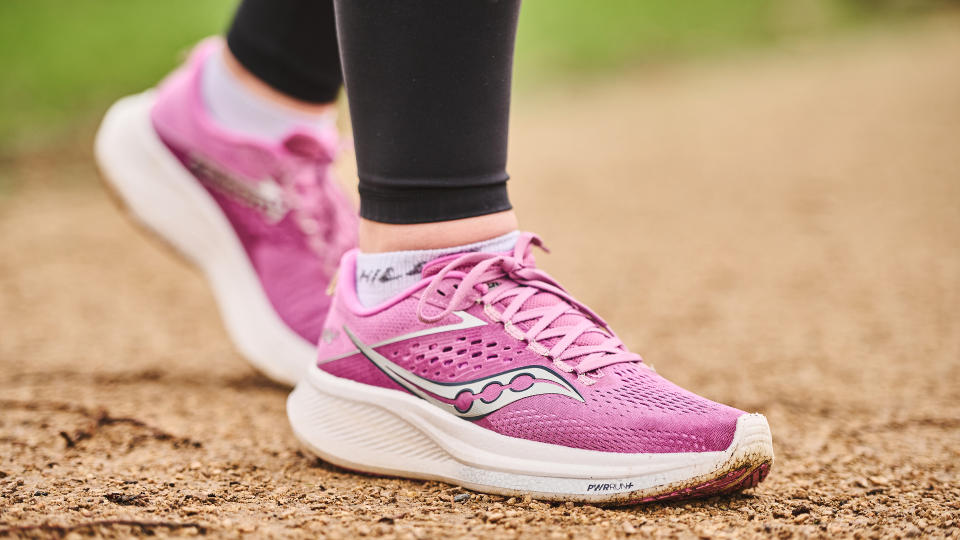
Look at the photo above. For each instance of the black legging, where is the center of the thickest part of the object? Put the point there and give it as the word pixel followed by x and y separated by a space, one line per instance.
pixel 428 83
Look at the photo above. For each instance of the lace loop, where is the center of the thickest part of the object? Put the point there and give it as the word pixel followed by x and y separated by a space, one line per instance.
pixel 307 192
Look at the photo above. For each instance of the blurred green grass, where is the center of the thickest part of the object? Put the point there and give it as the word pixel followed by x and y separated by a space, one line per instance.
pixel 63 62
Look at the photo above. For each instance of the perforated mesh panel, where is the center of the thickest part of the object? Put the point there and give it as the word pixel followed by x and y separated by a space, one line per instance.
pixel 640 387
pixel 448 357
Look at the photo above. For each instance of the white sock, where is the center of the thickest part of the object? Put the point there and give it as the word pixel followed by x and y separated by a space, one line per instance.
pixel 381 276
pixel 236 108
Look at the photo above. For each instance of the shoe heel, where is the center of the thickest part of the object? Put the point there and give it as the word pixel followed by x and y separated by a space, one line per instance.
pixel 147 180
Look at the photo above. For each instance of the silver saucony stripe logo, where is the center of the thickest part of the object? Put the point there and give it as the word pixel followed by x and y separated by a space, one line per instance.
pixel 471 399
pixel 264 195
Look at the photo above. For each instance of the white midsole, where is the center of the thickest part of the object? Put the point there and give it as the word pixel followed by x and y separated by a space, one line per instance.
pixel 385 431
pixel 165 197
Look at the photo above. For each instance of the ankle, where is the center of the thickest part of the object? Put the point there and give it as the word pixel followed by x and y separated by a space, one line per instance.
pixel 240 103
pixel 385 237
pixel 266 92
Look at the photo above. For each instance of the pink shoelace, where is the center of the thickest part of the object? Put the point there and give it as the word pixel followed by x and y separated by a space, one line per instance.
pixel 307 192
pixel 554 330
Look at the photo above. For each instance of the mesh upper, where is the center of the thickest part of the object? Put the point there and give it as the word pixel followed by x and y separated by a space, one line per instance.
pixel 631 409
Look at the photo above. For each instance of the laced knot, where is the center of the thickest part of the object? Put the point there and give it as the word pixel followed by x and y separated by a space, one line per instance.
pixel 309 194
pixel 532 307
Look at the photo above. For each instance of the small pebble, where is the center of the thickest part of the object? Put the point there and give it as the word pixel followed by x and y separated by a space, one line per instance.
pixel 494 517
pixel 879 480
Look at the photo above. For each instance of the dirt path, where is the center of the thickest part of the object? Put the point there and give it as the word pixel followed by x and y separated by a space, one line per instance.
pixel 781 233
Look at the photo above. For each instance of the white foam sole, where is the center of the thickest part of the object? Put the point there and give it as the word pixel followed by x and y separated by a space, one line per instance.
pixel 383 431
pixel 161 194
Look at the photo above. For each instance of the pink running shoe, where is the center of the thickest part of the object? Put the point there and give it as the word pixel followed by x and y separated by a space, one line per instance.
pixel 489 375
pixel 264 220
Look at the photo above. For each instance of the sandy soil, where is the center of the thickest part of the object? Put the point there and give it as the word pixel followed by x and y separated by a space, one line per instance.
pixel 781 233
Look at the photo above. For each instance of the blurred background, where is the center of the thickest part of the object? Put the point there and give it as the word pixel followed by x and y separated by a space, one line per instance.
pixel 64 62
pixel 761 196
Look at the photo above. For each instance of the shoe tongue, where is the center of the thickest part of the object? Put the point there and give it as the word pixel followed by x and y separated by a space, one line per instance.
pixel 433 267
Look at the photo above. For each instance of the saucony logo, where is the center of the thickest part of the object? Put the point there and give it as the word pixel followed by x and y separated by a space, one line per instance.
pixel 264 195
pixel 477 398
